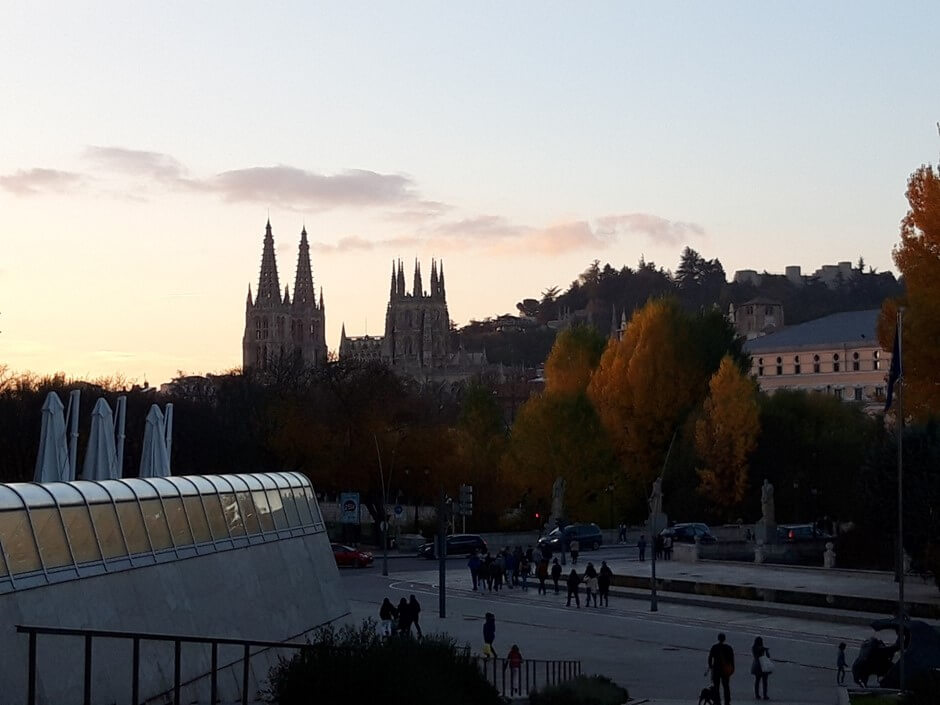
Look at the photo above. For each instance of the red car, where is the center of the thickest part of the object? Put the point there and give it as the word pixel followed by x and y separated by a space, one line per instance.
pixel 348 556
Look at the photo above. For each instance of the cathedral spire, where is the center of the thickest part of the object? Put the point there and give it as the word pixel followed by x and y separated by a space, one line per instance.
pixel 321 299
pixel 440 280
pixel 286 295
pixel 249 302
pixel 401 279
pixel 342 334
pixel 434 291
pixel 269 287
pixel 304 294
pixel 391 290
pixel 418 289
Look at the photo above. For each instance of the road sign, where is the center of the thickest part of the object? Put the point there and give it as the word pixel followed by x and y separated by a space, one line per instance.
pixel 349 508
pixel 465 502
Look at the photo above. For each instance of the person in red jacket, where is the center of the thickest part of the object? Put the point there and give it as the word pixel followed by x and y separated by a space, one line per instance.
pixel 514 661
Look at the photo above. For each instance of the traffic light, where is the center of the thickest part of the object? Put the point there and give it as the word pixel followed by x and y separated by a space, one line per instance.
pixel 537 515
pixel 466 500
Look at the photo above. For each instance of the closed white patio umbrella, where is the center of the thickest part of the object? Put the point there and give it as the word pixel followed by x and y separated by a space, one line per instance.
pixel 52 461
pixel 154 459
pixel 101 453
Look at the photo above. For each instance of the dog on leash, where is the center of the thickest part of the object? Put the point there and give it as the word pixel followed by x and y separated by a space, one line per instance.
pixel 709 696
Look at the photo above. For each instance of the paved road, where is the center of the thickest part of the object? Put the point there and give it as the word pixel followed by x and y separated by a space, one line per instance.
pixel 655 655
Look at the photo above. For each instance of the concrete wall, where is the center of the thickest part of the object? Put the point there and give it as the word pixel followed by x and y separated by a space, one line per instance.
pixel 273 591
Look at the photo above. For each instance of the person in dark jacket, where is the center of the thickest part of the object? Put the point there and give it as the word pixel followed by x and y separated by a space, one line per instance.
pixel 760 675
pixel 603 582
pixel 542 574
pixel 415 608
pixel 474 565
pixel 721 663
pixel 556 573
pixel 489 635
pixel 573 582
pixel 389 616
pixel 404 618
pixel 641 547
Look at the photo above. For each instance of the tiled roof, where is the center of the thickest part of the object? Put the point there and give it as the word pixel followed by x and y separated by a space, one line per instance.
pixel 858 327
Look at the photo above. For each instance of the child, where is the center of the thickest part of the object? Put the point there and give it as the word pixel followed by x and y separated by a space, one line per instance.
pixel 489 635
pixel 514 661
pixel 840 665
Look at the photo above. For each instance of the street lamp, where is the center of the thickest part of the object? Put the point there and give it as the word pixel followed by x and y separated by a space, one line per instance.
pixel 383 526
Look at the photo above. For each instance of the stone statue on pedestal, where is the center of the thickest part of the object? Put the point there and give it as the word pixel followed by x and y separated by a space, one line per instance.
pixel 658 520
pixel 558 502
pixel 766 529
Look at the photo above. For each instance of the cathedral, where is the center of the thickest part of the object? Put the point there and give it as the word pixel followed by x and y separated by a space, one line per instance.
pixel 277 326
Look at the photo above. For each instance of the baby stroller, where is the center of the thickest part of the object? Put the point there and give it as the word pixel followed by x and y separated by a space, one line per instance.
pixel 709 694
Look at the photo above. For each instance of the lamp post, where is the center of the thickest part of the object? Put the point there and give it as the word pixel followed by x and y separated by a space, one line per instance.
pixel 383 526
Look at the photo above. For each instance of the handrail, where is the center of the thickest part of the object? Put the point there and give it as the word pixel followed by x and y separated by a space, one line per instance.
pixel 88 635
pixel 530 675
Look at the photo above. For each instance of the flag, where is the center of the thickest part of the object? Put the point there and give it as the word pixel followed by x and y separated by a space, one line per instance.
pixel 895 374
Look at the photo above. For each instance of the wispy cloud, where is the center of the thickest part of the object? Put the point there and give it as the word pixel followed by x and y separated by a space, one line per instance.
pixel 300 189
pixel 31 182
pixel 654 227
pixel 155 165
pixel 359 244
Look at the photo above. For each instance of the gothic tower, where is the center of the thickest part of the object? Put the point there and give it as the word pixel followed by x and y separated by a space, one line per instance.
pixel 417 325
pixel 275 326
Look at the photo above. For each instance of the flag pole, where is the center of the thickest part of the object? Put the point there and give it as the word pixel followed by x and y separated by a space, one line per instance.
pixel 900 425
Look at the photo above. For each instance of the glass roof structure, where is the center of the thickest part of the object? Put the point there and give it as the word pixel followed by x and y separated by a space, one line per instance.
pixel 50 532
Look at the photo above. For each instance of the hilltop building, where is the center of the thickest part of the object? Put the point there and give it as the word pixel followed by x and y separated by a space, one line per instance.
pixel 278 326
pixel 756 317
pixel 837 354
pixel 829 274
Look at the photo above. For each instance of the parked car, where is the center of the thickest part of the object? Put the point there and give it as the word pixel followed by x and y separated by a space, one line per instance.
pixel 790 533
pixel 588 535
pixel 688 531
pixel 457 545
pixel 349 556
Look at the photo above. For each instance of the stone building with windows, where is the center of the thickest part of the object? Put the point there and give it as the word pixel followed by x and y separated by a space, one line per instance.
pixel 837 354
pixel 278 326
pixel 757 317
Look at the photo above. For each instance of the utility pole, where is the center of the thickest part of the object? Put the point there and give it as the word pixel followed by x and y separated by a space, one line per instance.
pixel 442 552
pixel 900 421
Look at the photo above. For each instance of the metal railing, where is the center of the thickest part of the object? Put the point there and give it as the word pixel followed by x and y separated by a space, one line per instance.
pixel 530 675
pixel 89 635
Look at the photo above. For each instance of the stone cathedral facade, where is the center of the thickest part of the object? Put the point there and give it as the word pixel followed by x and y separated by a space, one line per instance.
pixel 279 327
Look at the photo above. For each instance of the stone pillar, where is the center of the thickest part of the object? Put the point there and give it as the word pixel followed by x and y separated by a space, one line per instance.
pixel 765 532
pixel 759 551
pixel 657 522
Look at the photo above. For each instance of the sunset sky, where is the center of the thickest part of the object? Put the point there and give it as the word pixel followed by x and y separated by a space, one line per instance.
pixel 145 144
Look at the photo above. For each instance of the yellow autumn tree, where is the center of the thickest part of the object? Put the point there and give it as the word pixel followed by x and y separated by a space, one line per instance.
pixel 575 354
pixel 918 259
pixel 644 387
pixel 726 435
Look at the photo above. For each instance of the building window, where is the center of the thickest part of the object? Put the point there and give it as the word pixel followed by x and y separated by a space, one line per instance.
pixel 760 367
pixel 858 394
pixel 835 363
pixel 816 364
pixel 877 361
pixel 838 392
pixel 879 392
pixel 769 311
pixel 796 364
pixel 750 310
pixel 856 366
pixel 779 366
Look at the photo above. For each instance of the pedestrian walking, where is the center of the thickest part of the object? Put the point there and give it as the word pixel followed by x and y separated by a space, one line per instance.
pixel 486 572
pixel 667 548
pixel 541 572
pixel 761 667
pixel 524 573
pixel 415 608
pixel 514 661
pixel 556 573
pixel 603 582
pixel 658 546
pixel 573 588
pixel 509 569
pixel 622 533
pixel 489 635
pixel 641 547
pixel 721 664
pixel 590 585
pixel 404 618
pixel 474 565
pixel 840 665
pixel 530 557
pixel 498 568
pixel 388 616
pixel 575 549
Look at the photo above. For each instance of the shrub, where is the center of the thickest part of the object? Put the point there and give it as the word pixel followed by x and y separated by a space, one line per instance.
pixel 353 664
pixel 583 690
